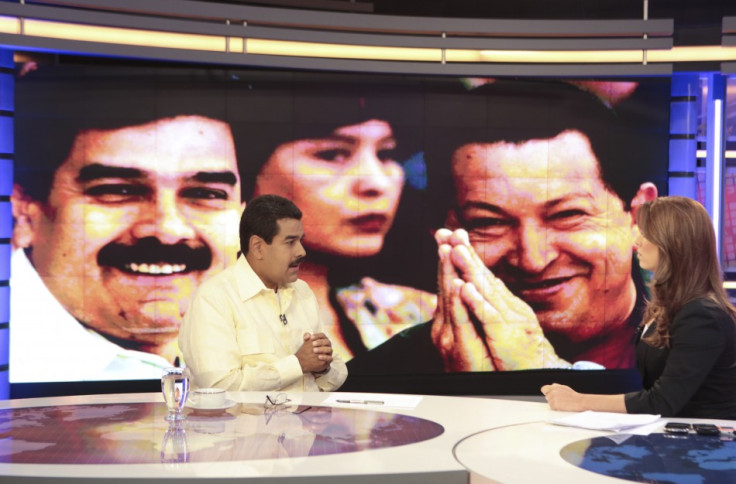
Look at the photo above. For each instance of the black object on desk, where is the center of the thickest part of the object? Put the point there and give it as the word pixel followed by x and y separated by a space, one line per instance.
pixel 677 428
pixel 706 429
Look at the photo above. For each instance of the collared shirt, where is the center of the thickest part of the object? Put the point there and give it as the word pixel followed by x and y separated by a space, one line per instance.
pixel 47 344
pixel 233 336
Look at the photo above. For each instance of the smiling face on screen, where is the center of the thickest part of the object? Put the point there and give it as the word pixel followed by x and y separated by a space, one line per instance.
pixel 543 221
pixel 135 220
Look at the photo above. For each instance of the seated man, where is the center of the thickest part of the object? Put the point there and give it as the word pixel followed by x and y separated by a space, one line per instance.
pixel 255 326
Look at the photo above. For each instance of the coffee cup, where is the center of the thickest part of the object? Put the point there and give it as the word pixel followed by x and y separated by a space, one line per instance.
pixel 208 398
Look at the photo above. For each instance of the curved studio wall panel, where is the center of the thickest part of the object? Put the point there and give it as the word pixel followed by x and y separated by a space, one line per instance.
pixel 229 35
pixel 272 37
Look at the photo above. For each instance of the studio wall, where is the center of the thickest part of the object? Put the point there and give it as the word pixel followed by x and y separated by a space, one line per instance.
pixel 129 180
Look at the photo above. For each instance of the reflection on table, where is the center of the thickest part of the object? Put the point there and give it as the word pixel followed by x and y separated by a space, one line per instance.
pixel 137 433
pixel 658 457
pixel 543 452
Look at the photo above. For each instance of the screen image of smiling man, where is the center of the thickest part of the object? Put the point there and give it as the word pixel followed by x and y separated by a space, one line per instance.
pixel 111 244
pixel 536 266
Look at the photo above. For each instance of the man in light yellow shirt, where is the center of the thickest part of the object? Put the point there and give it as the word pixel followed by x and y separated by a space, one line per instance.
pixel 255 325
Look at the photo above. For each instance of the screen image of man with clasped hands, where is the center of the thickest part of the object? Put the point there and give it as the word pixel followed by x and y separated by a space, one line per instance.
pixel 536 266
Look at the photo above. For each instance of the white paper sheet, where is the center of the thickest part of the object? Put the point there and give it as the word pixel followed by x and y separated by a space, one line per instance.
pixel 615 422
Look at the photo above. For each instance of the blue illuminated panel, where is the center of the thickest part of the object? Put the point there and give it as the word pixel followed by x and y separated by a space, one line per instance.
pixel 7 105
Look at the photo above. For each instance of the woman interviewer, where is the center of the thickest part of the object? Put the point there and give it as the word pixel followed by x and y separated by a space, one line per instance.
pixel 687 352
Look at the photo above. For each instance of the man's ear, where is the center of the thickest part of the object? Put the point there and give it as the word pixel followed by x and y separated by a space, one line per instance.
pixel 255 246
pixel 646 193
pixel 26 212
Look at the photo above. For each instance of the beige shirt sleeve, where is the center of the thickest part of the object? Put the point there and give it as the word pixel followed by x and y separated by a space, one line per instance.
pixel 333 379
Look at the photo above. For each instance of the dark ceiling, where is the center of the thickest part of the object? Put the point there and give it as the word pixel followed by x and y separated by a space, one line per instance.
pixel 697 22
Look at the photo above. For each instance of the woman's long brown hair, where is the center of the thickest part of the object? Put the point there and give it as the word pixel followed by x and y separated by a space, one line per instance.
pixel 688 266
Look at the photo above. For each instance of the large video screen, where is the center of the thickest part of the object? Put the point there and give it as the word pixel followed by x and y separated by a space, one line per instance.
pixel 451 225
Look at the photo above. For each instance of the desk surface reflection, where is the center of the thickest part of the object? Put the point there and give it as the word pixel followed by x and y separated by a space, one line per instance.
pixel 137 433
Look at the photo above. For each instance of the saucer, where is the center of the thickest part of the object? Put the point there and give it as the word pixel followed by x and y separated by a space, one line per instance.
pixel 210 410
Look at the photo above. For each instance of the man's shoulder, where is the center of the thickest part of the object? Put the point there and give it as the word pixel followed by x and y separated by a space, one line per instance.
pixel 301 288
pixel 216 282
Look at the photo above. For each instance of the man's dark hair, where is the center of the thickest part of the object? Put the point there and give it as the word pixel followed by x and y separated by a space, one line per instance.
pixel 261 216
pixel 514 111
pixel 57 103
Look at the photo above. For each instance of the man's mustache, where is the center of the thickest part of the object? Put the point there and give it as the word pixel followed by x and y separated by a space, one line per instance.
pixel 298 261
pixel 150 250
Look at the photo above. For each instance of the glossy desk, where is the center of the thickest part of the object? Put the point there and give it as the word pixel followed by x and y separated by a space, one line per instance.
pixel 530 453
pixel 440 440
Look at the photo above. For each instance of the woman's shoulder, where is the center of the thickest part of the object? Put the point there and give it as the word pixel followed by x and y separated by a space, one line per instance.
pixel 704 303
pixel 704 311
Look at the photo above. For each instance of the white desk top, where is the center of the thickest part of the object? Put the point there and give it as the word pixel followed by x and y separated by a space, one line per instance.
pixel 530 452
pixel 520 448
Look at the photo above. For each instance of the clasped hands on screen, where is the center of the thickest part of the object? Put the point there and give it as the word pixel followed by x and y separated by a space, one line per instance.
pixel 480 325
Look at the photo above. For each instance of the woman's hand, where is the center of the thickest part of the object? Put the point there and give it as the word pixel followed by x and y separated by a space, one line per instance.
pixel 562 397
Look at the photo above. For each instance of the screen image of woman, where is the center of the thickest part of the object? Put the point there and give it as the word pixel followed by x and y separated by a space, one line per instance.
pixel 341 164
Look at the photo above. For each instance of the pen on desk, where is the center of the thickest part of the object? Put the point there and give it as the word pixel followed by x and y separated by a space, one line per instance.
pixel 362 402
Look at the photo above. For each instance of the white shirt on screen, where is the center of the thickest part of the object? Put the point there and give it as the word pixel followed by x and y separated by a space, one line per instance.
pixel 47 344
pixel 233 336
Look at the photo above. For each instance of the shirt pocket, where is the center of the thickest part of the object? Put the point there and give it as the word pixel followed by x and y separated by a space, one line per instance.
pixel 254 342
